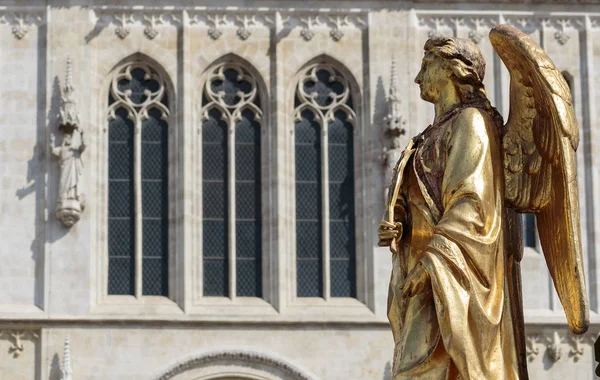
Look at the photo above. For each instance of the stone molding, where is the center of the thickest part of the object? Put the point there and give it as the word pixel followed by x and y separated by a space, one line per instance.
pixel 478 25
pixel 235 357
pixel 216 22
pixel 22 19
pixel 552 343
pixel 243 20
pixel 16 337
pixel 314 22
pixel 123 19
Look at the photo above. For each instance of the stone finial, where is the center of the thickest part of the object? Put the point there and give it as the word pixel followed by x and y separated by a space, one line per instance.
pixel 394 121
pixel 69 117
pixel 66 371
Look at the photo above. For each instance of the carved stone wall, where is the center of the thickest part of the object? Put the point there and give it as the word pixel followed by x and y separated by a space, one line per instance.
pixel 56 278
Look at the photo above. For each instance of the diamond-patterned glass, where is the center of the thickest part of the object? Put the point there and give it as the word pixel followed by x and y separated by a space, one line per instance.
pixel 343 278
pixel 309 250
pixel 155 204
pixel 214 205
pixel 120 275
pixel 248 207
pixel 528 222
pixel 120 205
pixel 215 278
pixel 309 279
pixel 341 207
pixel 154 276
pixel 309 239
pixel 248 278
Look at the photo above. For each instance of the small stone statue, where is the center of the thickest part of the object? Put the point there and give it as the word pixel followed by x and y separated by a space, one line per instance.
pixel 70 203
pixel 70 197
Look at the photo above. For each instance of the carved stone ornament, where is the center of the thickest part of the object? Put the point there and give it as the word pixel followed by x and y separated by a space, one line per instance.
pixel 66 373
pixel 21 22
pixel 70 202
pixel 16 337
pixel 242 22
pixel 335 22
pixel 532 349
pixel 151 19
pixel 393 128
pixel 554 351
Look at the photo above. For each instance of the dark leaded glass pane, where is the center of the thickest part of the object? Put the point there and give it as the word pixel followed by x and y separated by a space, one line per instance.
pixel 215 239
pixel 309 250
pixel 343 278
pixel 308 201
pixel 214 200
pixel 341 207
pixel 214 205
pixel 155 204
pixel 120 237
pixel 215 278
pixel 309 240
pixel 154 278
pixel 310 280
pixel 120 275
pixel 529 238
pixel 248 277
pixel 247 200
pixel 121 226
pixel 248 207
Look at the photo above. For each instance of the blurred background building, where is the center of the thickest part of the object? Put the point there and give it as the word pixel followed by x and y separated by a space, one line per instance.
pixel 191 190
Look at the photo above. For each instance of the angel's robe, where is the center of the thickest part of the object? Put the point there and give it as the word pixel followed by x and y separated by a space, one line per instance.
pixel 452 193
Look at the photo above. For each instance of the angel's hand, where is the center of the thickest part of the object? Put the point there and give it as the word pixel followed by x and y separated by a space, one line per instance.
pixel 417 281
pixel 387 232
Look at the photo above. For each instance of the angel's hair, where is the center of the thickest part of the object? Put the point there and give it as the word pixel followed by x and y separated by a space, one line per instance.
pixel 465 60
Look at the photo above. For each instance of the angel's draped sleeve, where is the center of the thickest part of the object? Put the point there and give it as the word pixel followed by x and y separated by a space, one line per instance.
pixel 464 258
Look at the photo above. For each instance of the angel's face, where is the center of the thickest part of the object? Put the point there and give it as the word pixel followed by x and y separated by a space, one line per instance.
pixel 432 78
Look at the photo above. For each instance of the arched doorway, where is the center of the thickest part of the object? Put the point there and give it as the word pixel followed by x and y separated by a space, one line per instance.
pixel 233 365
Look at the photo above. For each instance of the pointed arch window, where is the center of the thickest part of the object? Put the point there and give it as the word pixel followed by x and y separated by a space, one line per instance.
pixel 231 183
pixel 138 182
pixel 324 169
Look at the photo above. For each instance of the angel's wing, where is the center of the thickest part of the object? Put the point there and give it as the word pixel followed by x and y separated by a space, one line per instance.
pixel 539 143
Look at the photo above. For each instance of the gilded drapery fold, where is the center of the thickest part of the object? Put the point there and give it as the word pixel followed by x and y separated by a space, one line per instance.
pixel 464 256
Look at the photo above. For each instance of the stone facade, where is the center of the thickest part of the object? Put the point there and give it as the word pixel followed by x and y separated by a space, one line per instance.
pixel 54 278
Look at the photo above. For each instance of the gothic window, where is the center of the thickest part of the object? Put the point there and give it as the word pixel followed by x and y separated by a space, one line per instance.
pixel 324 162
pixel 138 180
pixel 231 183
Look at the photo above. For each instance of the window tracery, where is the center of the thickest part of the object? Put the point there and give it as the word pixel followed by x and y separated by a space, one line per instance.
pixel 138 182
pixel 324 161
pixel 231 176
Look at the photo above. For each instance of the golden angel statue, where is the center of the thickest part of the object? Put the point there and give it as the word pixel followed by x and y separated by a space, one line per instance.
pixel 452 221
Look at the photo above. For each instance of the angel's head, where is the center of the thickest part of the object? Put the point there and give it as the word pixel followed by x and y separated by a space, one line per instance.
pixel 452 62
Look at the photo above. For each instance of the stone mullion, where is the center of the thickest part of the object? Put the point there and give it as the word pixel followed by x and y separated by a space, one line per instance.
pixel 137 191
pixel 231 208
pixel 325 208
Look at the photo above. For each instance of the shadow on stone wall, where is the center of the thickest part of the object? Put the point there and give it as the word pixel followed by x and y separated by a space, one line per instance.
pixel 54 368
